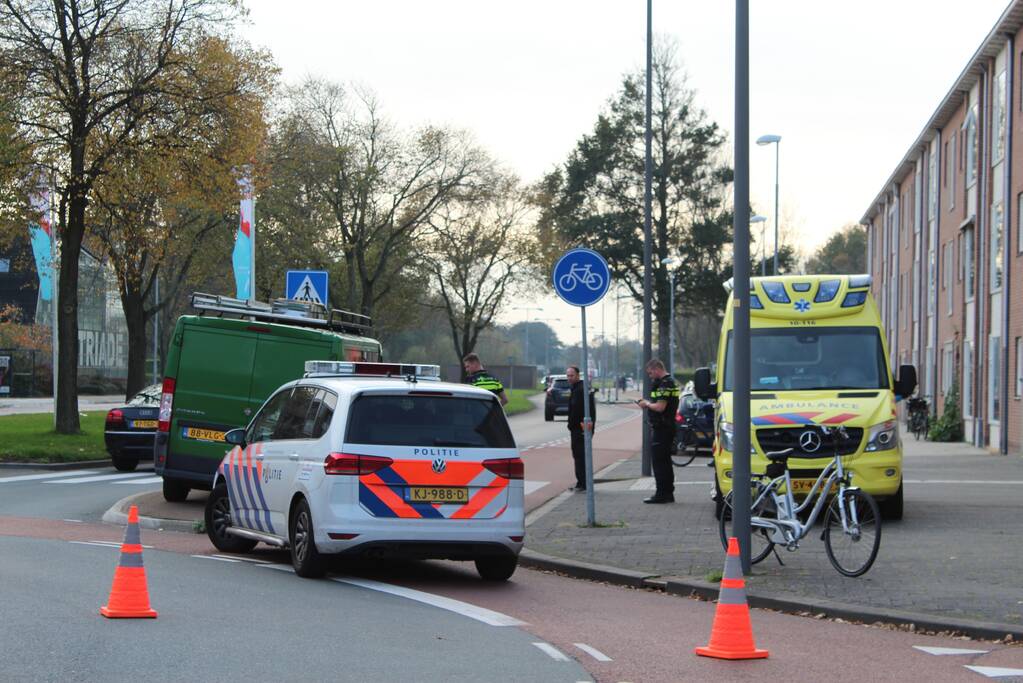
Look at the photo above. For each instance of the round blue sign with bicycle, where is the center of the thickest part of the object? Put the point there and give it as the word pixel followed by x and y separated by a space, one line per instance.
pixel 581 277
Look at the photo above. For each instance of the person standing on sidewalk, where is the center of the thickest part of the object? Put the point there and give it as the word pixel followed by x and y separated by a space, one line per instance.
pixel 478 377
pixel 661 406
pixel 576 416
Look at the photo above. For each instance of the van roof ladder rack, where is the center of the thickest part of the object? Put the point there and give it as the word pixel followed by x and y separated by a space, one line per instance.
pixel 287 311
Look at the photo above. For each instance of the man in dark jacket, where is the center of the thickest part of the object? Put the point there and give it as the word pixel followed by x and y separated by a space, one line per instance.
pixel 575 424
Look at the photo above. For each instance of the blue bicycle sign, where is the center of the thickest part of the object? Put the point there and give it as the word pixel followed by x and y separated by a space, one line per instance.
pixel 581 277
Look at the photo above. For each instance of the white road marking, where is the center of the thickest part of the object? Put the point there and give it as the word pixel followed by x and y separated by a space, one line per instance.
pixel 995 671
pixel 487 616
pixel 593 652
pixel 244 559
pixel 553 652
pixel 50 475
pixel 214 557
pixel 643 484
pixel 104 544
pixel 102 477
pixel 147 480
pixel 530 486
pixel 948 650
pixel 72 520
pixel 279 567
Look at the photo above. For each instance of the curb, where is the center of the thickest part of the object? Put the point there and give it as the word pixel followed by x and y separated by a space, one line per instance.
pixel 690 588
pixel 118 515
pixel 78 465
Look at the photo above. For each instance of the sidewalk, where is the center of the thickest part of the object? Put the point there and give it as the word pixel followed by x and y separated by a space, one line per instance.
pixel 22 406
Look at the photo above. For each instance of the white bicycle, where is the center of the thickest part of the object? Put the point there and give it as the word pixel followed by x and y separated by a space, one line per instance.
pixel 584 274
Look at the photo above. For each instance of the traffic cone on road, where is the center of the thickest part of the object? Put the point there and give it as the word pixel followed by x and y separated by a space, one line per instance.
pixel 129 597
pixel 731 637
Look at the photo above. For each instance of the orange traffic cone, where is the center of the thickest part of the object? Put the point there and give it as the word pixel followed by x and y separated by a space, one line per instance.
pixel 129 597
pixel 731 637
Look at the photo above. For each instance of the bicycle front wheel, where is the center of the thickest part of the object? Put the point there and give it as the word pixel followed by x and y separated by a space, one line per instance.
pixel 685 448
pixel 852 549
pixel 760 543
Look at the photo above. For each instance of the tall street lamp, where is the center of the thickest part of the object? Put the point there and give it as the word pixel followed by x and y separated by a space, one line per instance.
pixel 671 263
pixel 775 140
pixel 763 237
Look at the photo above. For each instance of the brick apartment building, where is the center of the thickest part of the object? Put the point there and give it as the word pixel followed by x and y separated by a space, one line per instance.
pixel 945 244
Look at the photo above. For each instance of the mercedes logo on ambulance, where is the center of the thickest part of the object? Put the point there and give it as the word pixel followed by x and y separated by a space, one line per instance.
pixel 809 441
pixel 439 465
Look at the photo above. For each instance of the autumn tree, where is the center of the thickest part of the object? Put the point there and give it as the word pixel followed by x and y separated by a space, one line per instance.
pixel 595 198
pixel 89 74
pixel 845 253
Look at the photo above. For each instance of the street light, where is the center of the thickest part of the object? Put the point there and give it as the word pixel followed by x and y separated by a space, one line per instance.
pixel 547 345
pixel 763 246
pixel 671 263
pixel 775 140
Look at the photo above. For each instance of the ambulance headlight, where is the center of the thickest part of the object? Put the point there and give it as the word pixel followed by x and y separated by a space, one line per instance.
pixel 726 436
pixel 882 437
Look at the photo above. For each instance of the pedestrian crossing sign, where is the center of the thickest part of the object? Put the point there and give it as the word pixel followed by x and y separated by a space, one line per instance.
pixel 307 285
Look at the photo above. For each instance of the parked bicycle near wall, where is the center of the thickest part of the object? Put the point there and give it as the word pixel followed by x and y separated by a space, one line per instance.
pixel 919 412
pixel 852 524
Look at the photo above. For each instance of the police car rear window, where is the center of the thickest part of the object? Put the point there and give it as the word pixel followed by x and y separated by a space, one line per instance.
pixel 382 420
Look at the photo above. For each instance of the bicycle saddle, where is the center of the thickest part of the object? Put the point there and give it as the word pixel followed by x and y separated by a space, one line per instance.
pixel 779 456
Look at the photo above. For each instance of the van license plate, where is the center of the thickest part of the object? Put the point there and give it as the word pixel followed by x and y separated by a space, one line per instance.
pixel 203 434
pixel 143 424
pixel 438 494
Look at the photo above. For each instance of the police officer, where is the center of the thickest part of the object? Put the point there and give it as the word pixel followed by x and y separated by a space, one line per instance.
pixel 662 406
pixel 478 377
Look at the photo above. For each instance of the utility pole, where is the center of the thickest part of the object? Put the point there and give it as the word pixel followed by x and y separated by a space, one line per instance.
pixel 648 167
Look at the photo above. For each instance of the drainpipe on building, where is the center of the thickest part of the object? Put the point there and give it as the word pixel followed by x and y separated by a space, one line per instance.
pixel 1007 213
pixel 982 334
pixel 938 265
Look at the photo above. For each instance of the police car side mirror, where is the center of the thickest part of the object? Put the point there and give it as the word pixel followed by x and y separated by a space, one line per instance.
pixel 235 437
pixel 702 386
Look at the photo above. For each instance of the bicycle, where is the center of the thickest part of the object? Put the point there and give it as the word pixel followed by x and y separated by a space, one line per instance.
pixel 579 273
pixel 684 451
pixel 918 416
pixel 852 524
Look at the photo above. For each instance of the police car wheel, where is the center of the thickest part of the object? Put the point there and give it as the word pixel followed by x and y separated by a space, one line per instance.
pixel 305 558
pixel 218 518
pixel 496 568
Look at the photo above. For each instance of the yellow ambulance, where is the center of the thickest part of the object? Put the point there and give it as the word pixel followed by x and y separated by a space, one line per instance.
pixel 818 357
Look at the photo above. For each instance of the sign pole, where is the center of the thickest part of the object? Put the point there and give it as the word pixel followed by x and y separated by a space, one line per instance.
pixel 587 428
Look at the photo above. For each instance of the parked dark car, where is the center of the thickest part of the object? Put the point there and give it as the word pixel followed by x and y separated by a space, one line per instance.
pixel 695 433
pixel 131 429
pixel 558 393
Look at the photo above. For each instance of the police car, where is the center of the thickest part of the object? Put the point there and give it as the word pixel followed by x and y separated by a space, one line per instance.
pixel 373 459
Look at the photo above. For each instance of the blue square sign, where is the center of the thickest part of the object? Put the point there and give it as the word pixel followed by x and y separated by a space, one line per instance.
pixel 307 285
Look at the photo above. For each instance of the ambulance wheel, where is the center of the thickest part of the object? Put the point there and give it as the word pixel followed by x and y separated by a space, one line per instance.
pixel 175 491
pixel 305 558
pixel 218 519
pixel 496 568
pixel 891 508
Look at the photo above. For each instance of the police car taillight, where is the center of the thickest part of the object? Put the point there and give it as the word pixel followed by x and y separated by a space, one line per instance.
pixel 166 404
pixel 509 468
pixel 354 465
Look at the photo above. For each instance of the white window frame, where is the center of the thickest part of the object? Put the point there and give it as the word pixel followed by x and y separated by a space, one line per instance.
pixel 967 383
pixel 947 368
pixel 970 147
pixel 948 281
pixel 1019 369
pixel 999 119
pixel 969 269
pixel 997 237
pixel 953 169
pixel 994 379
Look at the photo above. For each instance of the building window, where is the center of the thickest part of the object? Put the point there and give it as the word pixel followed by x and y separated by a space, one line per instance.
pixel 1019 221
pixel 932 280
pixel 997 232
pixel 999 115
pixel 994 379
pixel 946 276
pixel 967 391
pixel 947 368
pixel 970 147
pixel 932 185
pixel 950 171
pixel 1019 368
pixel 969 270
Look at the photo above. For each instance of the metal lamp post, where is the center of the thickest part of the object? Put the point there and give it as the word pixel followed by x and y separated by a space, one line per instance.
pixel 775 140
pixel 763 241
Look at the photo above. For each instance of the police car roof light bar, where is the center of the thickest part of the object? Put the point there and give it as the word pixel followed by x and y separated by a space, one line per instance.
pixel 287 311
pixel 335 368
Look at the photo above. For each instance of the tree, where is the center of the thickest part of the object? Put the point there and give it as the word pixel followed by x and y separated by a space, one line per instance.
pixel 844 253
pixel 88 73
pixel 596 198
pixel 159 205
pixel 478 256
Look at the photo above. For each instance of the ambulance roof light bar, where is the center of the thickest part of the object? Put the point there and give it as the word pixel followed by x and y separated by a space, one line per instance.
pixel 287 311
pixel 338 368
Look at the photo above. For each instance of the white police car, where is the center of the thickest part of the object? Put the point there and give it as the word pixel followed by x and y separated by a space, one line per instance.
pixel 378 459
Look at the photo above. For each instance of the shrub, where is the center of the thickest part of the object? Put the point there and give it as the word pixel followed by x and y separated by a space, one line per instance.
pixel 948 427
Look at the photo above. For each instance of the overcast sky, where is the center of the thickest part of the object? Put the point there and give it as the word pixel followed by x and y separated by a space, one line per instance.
pixel 848 86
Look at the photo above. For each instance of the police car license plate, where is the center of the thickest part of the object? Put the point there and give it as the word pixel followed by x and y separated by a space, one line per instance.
pixel 804 486
pixel 203 434
pixel 438 494
pixel 143 424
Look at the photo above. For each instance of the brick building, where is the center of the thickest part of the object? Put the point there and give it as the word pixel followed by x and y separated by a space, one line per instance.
pixel 945 245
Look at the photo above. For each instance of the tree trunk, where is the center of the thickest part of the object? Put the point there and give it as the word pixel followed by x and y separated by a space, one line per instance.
pixel 67 316
pixel 135 319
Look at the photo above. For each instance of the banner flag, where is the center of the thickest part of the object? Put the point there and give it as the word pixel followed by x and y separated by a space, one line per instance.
pixel 41 235
pixel 243 257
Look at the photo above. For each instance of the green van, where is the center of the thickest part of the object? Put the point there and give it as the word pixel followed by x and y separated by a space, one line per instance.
pixel 223 364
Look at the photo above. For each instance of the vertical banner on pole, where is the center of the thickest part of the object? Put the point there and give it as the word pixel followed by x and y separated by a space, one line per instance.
pixel 41 236
pixel 244 255
pixel 581 278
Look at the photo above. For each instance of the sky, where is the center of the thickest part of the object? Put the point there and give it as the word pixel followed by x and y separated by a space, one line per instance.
pixel 848 86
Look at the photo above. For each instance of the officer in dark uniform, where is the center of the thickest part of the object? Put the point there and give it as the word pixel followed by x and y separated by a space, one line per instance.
pixel 662 406
pixel 478 377
pixel 576 426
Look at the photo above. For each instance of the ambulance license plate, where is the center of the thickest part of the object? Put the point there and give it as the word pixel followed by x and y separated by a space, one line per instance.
pixel 804 486
pixel 203 434
pixel 438 494
pixel 143 424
